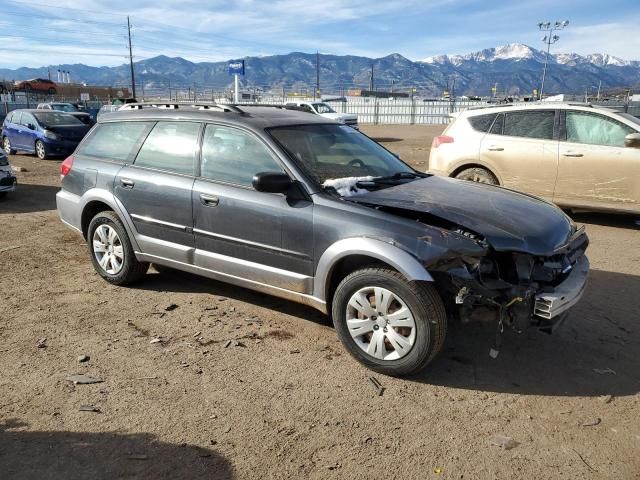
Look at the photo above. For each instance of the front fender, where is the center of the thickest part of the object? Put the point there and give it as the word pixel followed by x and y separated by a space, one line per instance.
pixel 384 251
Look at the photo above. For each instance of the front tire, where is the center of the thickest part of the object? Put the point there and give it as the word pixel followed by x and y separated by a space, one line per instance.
pixel 111 251
pixel 479 175
pixel 388 324
pixel 41 150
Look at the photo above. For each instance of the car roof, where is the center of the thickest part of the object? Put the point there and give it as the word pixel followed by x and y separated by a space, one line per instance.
pixel 256 117
pixel 536 106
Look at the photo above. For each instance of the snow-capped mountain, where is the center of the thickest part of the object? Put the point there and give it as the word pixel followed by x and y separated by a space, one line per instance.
pixel 516 68
pixel 520 52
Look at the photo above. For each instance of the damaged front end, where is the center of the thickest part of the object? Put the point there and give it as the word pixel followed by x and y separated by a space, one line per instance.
pixel 495 255
pixel 518 289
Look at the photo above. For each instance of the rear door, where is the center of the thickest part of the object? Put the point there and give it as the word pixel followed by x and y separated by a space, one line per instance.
pixel 596 169
pixel 240 232
pixel 10 128
pixel 522 148
pixel 156 190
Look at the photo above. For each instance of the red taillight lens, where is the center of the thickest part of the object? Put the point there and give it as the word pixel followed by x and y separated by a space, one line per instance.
pixel 437 141
pixel 65 167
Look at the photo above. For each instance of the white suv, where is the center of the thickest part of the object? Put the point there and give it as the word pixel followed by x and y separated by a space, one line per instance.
pixel 324 110
pixel 575 155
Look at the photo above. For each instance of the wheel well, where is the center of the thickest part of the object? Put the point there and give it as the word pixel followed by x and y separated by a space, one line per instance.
pixel 473 165
pixel 346 266
pixel 91 209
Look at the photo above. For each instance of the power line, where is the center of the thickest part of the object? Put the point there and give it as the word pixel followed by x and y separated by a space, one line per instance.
pixel 37 4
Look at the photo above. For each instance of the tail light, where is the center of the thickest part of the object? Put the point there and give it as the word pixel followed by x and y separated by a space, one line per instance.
pixel 65 167
pixel 439 140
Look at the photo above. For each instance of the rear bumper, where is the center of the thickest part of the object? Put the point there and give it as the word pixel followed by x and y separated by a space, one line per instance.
pixel 550 306
pixel 69 210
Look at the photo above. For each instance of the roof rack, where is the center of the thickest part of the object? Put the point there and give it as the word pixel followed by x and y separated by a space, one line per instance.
pixel 220 107
pixel 177 106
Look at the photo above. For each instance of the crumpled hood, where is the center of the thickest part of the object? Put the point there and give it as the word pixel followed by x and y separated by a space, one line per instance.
pixel 510 221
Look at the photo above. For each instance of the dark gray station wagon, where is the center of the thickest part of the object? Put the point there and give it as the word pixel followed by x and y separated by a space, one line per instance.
pixel 293 205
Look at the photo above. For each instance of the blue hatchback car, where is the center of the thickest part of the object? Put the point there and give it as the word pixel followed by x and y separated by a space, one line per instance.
pixel 45 133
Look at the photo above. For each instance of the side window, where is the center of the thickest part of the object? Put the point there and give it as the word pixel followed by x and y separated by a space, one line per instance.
pixel 233 156
pixel 496 128
pixel 115 141
pixel 595 130
pixel 530 124
pixel 306 108
pixel 482 123
pixel 170 146
pixel 27 119
pixel 10 117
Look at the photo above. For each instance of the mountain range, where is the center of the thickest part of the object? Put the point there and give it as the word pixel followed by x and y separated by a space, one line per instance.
pixel 515 68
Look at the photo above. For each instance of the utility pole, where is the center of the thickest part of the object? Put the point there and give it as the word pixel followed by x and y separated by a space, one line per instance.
pixel 549 38
pixel 133 77
pixel 371 79
pixel 317 91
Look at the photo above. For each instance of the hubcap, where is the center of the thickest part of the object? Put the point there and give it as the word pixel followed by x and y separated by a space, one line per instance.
pixel 380 323
pixel 107 249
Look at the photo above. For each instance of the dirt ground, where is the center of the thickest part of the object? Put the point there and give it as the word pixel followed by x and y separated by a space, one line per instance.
pixel 284 400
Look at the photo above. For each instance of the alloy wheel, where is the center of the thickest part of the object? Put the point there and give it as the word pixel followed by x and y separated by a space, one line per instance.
pixel 107 249
pixel 40 150
pixel 380 323
pixel 7 146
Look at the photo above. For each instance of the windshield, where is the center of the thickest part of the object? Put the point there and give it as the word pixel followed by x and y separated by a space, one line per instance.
pixel 628 116
pixel 53 119
pixel 323 108
pixel 64 107
pixel 329 152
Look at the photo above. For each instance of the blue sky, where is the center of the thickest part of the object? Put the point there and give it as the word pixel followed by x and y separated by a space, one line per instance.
pixel 45 32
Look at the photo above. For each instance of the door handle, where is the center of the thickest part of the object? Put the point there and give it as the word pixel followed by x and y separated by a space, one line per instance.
pixel 572 154
pixel 127 182
pixel 209 200
pixel 494 148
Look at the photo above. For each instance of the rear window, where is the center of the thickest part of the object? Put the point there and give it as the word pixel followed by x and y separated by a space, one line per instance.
pixel 115 141
pixel 536 124
pixel 482 123
pixel 171 146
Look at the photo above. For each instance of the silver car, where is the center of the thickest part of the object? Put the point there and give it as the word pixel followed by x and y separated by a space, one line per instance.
pixel 577 156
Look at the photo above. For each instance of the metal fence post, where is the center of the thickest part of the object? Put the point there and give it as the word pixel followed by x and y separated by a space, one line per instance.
pixel 375 112
pixel 413 111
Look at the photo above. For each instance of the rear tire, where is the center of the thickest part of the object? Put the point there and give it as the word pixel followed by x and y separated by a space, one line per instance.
pixel 6 145
pixel 41 150
pixel 401 334
pixel 111 252
pixel 51 91
pixel 479 175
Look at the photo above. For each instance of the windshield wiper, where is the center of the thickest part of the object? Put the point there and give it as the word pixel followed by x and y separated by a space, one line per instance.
pixel 396 176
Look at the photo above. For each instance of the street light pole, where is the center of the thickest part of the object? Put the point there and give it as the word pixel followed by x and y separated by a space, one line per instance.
pixel 549 38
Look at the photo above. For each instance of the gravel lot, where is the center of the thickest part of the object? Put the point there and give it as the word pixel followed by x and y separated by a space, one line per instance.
pixel 284 400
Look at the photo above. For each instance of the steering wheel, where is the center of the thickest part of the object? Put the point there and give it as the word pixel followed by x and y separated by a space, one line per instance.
pixel 356 162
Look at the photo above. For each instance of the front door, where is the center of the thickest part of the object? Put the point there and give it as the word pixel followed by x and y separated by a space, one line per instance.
pixel 596 169
pixel 28 134
pixel 522 148
pixel 239 232
pixel 156 190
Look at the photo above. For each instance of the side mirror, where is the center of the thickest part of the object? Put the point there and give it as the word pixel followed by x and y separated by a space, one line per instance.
pixel 31 126
pixel 632 140
pixel 272 182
